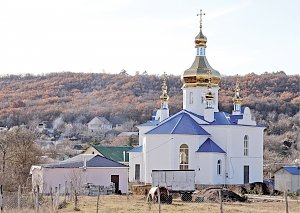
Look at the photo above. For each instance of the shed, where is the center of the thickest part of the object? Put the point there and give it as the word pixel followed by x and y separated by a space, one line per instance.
pixel 80 170
pixel 287 178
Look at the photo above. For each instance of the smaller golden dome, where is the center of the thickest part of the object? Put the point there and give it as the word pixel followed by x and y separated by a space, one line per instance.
pixel 237 97
pixel 164 88
pixel 200 40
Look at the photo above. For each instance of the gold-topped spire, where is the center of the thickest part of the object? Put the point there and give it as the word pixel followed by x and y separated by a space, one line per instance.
pixel 164 97
pixel 196 75
pixel 200 40
pixel 209 96
pixel 237 97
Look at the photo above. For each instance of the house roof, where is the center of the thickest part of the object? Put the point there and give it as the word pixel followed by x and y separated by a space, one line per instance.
pixel 180 123
pixel 136 149
pixel 210 146
pixel 128 134
pixel 294 170
pixel 101 119
pixel 114 152
pixel 150 123
pixel 91 161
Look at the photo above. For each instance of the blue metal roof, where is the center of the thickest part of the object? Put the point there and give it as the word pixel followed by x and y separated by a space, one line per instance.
pixel 234 118
pixel 220 118
pixel 294 170
pixel 210 146
pixel 91 161
pixel 180 123
pixel 136 149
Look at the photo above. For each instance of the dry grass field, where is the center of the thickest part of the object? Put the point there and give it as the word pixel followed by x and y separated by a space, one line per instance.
pixel 138 204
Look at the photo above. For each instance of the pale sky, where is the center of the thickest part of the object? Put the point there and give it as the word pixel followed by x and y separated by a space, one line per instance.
pixel 39 36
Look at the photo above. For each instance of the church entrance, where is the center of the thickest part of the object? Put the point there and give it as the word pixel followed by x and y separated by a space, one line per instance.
pixel 246 174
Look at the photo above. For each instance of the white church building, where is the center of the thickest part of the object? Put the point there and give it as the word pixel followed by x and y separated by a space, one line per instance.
pixel 222 148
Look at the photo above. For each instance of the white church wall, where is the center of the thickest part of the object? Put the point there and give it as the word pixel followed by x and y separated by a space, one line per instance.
pixel 142 131
pixel 162 152
pixel 207 169
pixel 135 158
pixel 219 134
pixel 236 158
pixel 156 154
pixel 231 139
pixel 193 142
pixel 194 99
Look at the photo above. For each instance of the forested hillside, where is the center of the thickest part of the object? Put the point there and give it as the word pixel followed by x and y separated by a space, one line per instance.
pixel 119 97
pixel 78 97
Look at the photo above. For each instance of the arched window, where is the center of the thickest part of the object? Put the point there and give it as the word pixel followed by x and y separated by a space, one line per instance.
pixel 184 157
pixel 219 167
pixel 246 145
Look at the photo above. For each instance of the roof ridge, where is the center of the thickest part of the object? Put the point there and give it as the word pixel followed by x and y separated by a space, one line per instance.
pixel 177 123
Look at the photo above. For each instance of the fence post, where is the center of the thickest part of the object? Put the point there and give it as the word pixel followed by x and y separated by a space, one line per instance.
pixel 51 198
pixel 37 199
pixel 66 190
pixel 75 200
pixel 98 199
pixel 1 198
pixel 56 199
pixel 71 191
pixel 19 197
pixel 221 200
pixel 158 199
pixel 286 202
pixel 59 188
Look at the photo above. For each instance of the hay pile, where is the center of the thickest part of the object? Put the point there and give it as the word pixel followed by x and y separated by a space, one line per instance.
pixel 212 195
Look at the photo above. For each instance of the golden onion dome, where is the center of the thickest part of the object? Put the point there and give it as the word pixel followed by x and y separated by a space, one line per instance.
pixel 197 75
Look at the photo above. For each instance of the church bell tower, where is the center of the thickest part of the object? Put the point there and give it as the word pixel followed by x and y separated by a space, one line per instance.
pixel 198 77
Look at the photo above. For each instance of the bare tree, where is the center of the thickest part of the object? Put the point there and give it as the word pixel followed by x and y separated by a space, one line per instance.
pixel 18 154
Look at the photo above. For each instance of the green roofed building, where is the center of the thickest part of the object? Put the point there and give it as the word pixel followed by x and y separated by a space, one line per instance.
pixel 116 153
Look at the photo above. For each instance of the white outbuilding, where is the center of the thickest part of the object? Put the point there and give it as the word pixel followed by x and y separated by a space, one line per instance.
pixel 287 178
pixel 81 170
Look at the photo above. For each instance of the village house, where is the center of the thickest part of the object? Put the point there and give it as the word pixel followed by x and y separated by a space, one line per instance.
pixel 99 125
pixel 81 170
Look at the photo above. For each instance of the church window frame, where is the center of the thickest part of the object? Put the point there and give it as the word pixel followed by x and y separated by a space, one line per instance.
pixel 191 98
pixel 246 145
pixel 219 167
pixel 183 157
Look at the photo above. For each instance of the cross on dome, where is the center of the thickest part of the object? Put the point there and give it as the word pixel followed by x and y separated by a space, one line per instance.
pixel 200 14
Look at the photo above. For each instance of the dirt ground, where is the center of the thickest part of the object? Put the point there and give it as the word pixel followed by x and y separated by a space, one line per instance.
pixel 138 204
